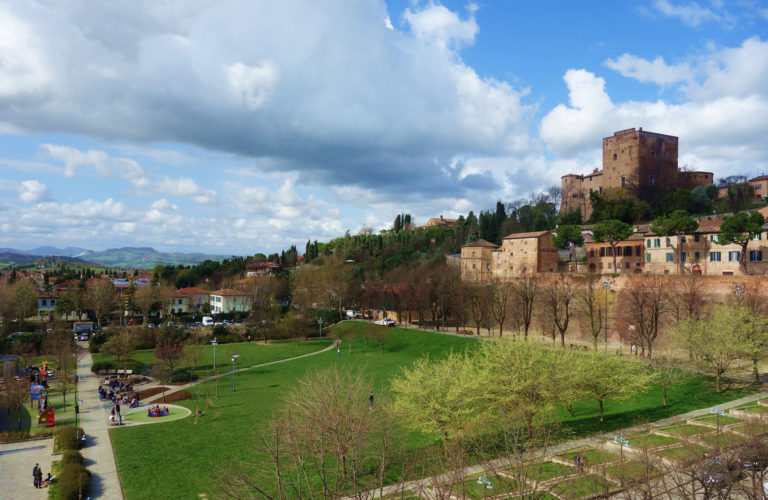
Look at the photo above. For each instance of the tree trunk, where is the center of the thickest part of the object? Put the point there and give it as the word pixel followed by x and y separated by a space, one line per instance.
pixel 601 410
pixel 562 339
pixel 755 371
pixel 664 394
pixel 478 327
pixel 717 382
pixel 613 251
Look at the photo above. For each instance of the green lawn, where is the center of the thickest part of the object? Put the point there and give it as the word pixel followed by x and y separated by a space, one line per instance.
pixel 193 456
pixel 498 485
pixel 629 471
pixel 546 470
pixel 141 416
pixel 64 414
pixel 251 353
pixel 648 440
pixel 686 430
pixel 720 440
pixel 684 453
pixel 584 486
pixel 753 408
pixel 714 419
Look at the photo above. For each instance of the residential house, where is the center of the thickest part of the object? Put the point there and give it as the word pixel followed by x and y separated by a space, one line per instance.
pixel 257 269
pixel 629 255
pixel 525 253
pixel 476 260
pixel 229 300
pixel 189 300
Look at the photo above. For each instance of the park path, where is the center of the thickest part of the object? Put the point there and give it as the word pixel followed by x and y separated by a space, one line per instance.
pixel 156 398
pixel 16 463
pixel 420 485
pixel 98 454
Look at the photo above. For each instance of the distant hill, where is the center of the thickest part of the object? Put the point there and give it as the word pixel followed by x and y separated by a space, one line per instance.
pixel 126 257
pixel 144 257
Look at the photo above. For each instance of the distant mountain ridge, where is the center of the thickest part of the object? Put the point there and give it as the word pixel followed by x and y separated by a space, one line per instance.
pixel 125 257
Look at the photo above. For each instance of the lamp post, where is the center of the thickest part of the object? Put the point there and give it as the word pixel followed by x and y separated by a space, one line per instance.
pixel 606 287
pixel 234 363
pixel 320 326
pixel 487 485
pixel 717 411
pixel 622 442
pixel 214 343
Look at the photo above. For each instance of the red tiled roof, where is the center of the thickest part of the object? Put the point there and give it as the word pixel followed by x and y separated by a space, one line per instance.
pixel 192 290
pixel 533 234
pixel 481 243
pixel 229 291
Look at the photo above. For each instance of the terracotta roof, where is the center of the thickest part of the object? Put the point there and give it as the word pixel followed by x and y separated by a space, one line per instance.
pixel 481 243
pixel 709 226
pixel 759 178
pixel 230 291
pixel 516 236
pixel 633 237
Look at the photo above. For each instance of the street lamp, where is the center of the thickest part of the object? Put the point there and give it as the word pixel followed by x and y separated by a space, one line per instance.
pixel 320 325
pixel 739 291
pixel 606 287
pixel 622 442
pixel 717 411
pixel 214 353
pixel 487 484
pixel 234 363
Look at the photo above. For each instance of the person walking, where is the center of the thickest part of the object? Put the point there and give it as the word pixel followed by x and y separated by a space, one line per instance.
pixel 39 478
pixel 118 414
pixel 34 475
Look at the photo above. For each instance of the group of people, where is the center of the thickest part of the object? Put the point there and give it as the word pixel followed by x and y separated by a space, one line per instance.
pixel 37 476
pixel 121 394
pixel 155 411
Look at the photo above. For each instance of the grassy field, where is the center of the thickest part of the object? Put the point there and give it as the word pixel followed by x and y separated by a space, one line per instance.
pixel 193 456
pixel 251 353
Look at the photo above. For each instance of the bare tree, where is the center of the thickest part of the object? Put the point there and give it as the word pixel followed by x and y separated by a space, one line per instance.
pixel 592 307
pixel 102 300
pixel 499 294
pixel 527 289
pixel 644 305
pixel 688 296
pixel 477 299
pixel 558 296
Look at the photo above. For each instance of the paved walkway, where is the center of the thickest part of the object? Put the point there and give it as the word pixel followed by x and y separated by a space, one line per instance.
pixel 158 397
pixel 98 454
pixel 16 463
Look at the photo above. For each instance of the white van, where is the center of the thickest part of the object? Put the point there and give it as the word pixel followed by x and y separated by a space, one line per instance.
pixel 207 321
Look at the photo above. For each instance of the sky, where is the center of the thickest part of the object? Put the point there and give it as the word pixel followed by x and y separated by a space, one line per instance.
pixel 236 127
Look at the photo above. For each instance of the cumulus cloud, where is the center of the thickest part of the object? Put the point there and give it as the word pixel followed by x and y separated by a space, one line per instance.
pixel 721 120
pixel 33 191
pixel 354 101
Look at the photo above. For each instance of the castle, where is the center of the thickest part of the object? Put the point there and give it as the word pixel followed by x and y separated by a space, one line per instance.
pixel 636 162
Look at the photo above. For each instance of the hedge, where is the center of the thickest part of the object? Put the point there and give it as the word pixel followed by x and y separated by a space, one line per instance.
pixel 66 438
pixel 72 457
pixel 137 366
pixel 73 479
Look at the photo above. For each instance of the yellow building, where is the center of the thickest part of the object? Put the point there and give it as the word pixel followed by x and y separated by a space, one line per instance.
pixel 476 259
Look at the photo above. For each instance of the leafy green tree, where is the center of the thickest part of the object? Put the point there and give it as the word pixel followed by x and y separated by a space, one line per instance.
pixel 567 234
pixel 443 396
pixel 711 191
pixel 571 218
pixel 753 337
pixel 740 228
pixel 612 232
pixel 699 202
pixel 121 346
pixel 713 339
pixel 22 301
pixel 524 379
pixel 678 223
pixel 606 378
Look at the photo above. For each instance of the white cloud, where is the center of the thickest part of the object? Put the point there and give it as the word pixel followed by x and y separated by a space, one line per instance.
pixel 436 24
pixel 23 68
pixel 33 191
pixel 252 84
pixel 721 122
pixel 656 71
pixel 691 14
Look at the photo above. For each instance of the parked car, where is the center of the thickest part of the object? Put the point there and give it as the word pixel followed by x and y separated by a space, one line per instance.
pixel 207 321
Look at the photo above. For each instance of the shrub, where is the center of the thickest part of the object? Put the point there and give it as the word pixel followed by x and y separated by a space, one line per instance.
pixel 183 376
pixel 136 366
pixel 73 479
pixel 13 436
pixel 71 457
pixel 96 340
pixel 66 438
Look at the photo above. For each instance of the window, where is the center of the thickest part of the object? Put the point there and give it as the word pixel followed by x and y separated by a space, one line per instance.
pixel 488 267
pixel 591 252
pixel 734 256
pixel 668 243
pixel 623 181
pixel 648 243
pixel 473 266
pixel 626 265
pixel 647 257
pixel 759 186
pixel 755 255
pixel 696 238
pixel 474 254
pixel 670 257
pixel 601 265
pixel 714 257
pixel 619 251
pixel 614 156
pixel 602 251
pixel 638 250
pixel 682 256
pixel 601 190
pixel 714 238
pixel 696 256
pixel 575 195
pixel 44 302
pixel 757 237
pixel 682 239
pixel 609 251
pixel 657 243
